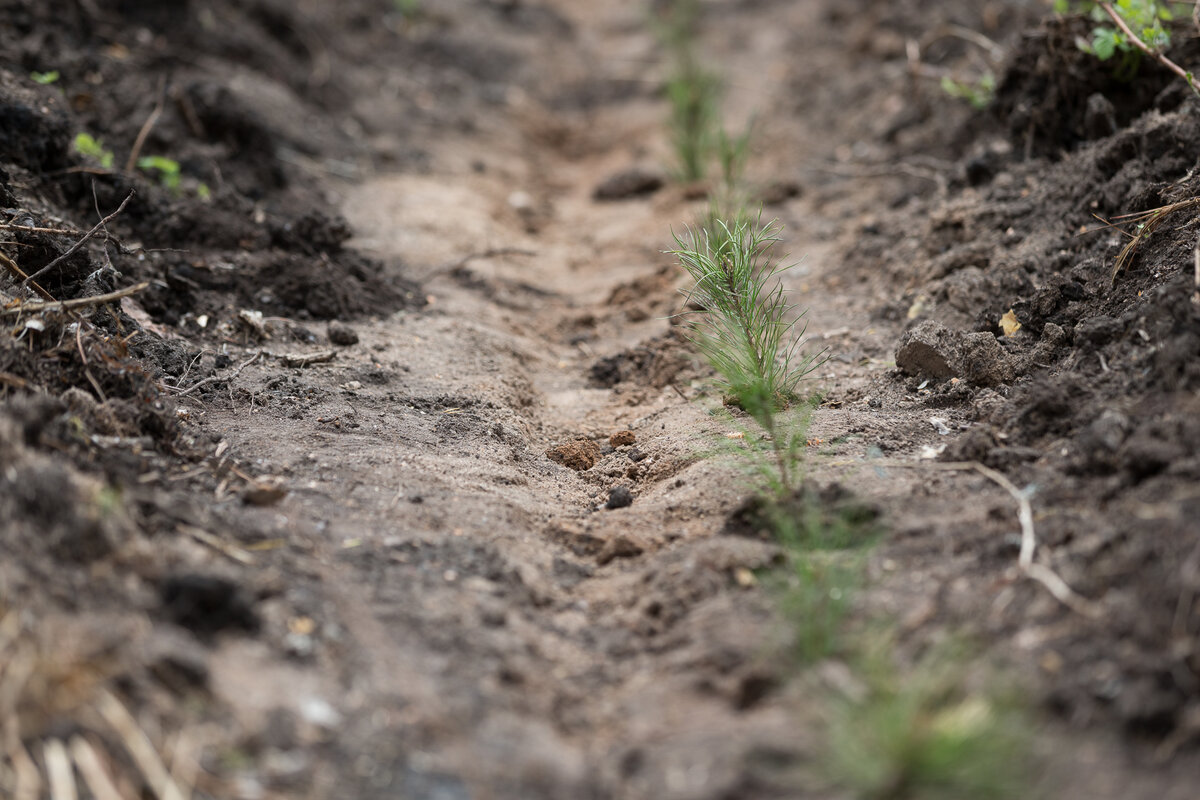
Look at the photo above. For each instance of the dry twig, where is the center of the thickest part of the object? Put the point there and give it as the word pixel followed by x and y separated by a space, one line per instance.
pixel 82 241
pixel 216 378
pixel 1147 222
pixel 139 747
pixel 306 359
pixel 71 305
pixel 20 275
pixel 147 126
pixel 994 50
pixel 87 369
pixel 8 226
pixel 233 552
pixel 1038 572
pixel 92 769
pixel 58 770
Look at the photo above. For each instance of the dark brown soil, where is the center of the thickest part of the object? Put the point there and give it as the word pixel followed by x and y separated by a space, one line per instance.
pixel 393 479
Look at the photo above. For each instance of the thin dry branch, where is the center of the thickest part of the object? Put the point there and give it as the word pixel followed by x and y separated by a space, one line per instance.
pixel 994 50
pixel 20 275
pixel 232 551
pixel 91 768
pixel 1120 22
pixel 87 370
pixel 58 770
pixel 147 126
pixel 306 359
pixel 82 241
pixel 1147 223
pixel 1037 572
pixel 139 747
pixel 70 305
pixel 8 226
pixel 215 378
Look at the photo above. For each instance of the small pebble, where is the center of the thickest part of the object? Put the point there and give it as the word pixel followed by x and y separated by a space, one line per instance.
pixel 619 497
pixel 341 334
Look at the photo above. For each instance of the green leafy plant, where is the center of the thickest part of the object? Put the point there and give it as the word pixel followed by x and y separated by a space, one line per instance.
pixel 1127 31
pixel 747 330
pixel 90 147
pixel 168 170
pixel 979 93
pixel 45 78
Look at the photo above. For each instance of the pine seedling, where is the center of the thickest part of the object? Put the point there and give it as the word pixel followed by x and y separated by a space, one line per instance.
pixel 732 152
pixel 693 91
pixel 927 731
pixel 694 95
pixel 747 330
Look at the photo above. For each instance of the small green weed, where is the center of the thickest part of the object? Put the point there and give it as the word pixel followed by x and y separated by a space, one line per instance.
pixel 1127 31
pixel 978 93
pixel 924 733
pixel 815 593
pixel 168 170
pixel 45 78
pixel 93 148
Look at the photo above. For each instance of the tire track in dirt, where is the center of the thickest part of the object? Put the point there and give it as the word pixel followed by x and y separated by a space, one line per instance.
pixel 565 651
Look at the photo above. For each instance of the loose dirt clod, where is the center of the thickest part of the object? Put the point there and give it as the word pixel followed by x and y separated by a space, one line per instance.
pixel 579 455
pixel 932 350
pixel 622 438
pixel 633 182
pixel 341 334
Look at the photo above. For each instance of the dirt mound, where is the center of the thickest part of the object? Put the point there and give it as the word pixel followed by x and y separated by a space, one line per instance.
pixel 1054 97
pixel 1095 404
